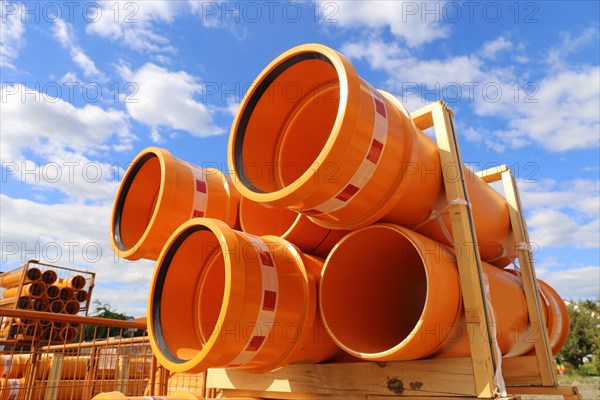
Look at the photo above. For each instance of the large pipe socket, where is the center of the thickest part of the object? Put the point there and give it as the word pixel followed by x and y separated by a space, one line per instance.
pixel 160 192
pixel 224 298
pixel 347 155
pixel 388 293
pixel 289 225
pixel 14 278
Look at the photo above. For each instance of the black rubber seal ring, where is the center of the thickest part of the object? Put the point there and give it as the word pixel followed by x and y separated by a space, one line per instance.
pixel 123 195
pixel 253 101
pixel 158 290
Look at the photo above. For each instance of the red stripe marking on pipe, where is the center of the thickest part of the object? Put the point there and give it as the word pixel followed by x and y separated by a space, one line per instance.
pixel 265 258
pixel 375 151
pixel 200 186
pixel 198 213
pixel 380 107
pixel 255 343
pixel 270 300
pixel 347 193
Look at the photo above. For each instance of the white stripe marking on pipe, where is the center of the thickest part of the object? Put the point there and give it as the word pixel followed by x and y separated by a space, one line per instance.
pixel 367 168
pixel 14 386
pixel 268 303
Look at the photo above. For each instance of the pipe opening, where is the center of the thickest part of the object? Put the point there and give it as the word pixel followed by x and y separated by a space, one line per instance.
pixel 52 292
pixel 37 289
pixel 49 277
pixel 286 122
pixel 176 290
pixel 33 274
pixel 260 220
pixel 373 290
pixel 77 282
pixel 137 201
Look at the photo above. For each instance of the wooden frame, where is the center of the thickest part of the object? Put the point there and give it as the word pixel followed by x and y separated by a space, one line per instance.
pixel 437 379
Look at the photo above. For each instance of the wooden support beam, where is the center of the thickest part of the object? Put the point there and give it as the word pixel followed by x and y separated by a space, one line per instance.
pixel 469 263
pixel 493 174
pixel 543 351
pixel 443 377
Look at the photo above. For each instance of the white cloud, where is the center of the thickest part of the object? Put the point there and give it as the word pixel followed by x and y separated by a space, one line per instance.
pixel 63 32
pixel 166 100
pixel 73 236
pixel 134 23
pixel 49 125
pixel 570 44
pixel 559 112
pixel 573 283
pixel 408 20
pixel 12 29
pixel 562 115
pixel 565 214
pixel 553 228
pixel 491 49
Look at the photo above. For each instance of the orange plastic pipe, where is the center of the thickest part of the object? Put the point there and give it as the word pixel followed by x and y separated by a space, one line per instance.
pixel 66 294
pixel 52 292
pixel 57 306
pixel 81 295
pixel 48 333
pixel 67 334
pixel 289 225
pixel 13 365
pixel 72 307
pixel 12 389
pixel 345 154
pixel 388 293
pixel 49 277
pixel 14 278
pixel 74 367
pixel 158 193
pixel 248 302
pixel 33 290
pixel 24 302
pixel 40 304
pixel 121 396
pixel 74 282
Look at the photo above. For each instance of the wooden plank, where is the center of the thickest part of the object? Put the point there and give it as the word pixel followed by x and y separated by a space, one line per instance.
pixel 530 286
pixel 123 373
pixel 444 377
pixel 423 117
pixel 53 376
pixel 469 262
pixel 521 370
pixel 493 174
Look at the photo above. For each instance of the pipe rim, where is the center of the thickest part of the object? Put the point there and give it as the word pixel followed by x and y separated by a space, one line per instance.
pixel 49 277
pixel 347 77
pixel 163 263
pixel 427 303
pixel 164 157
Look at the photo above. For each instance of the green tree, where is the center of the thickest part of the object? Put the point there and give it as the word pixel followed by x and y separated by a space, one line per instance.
pixel 102 332
pixel 584 336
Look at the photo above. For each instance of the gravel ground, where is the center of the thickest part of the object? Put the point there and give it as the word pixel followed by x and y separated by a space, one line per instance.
pixel 589 387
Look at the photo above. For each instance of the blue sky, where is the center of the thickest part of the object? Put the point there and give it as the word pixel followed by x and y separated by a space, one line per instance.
pixel 87 85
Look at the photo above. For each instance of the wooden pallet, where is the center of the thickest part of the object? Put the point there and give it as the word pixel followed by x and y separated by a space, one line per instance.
pixel 471 377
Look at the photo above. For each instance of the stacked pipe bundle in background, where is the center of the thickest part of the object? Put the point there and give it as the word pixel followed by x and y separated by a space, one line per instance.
pixel 342 241
pixel 31 288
